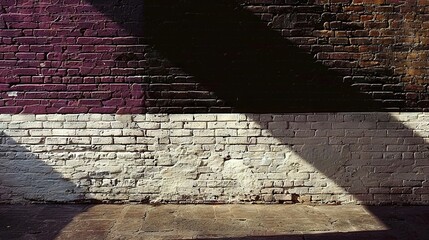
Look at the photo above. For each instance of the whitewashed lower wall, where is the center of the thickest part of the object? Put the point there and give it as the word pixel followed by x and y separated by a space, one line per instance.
pixel 371 158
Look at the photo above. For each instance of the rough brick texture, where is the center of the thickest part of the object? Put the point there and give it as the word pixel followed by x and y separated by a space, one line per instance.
pixel 373 158
pixel 217 56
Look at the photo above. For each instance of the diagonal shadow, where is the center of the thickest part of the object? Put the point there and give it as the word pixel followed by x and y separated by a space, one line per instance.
pixel 25 177
pixel 232 53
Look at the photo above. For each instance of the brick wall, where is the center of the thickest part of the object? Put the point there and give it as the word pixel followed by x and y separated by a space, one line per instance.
pixel 126 100
pixel 372 158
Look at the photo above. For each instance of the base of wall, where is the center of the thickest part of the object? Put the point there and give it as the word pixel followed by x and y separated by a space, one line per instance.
pixel 366 158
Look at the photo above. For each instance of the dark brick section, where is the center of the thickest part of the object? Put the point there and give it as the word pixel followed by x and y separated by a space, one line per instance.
pixel 129 56
pixel 378 46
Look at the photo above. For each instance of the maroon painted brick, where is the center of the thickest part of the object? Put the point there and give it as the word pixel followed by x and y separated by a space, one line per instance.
pixel 73 109
pixel 11 110
pixel 130 110
pixel 90 102
pixel 25 71
pixel 103 109
pixel 114 102
pixel 34 109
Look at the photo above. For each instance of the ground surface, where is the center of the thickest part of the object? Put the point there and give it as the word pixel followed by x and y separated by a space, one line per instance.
pixel 212 222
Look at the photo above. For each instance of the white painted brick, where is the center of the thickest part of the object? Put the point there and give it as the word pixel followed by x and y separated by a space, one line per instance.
pixel 124 118
pixel 230 117
pixel 345 125
pixel 74 125
pixel 354 133
pixel 88 132
pixel 319 117
pixel 101 140
pixel 216 125
pixel 397 148
pixel 283 118
pixel 56 140
pixel 375 133
pixel 52 124
pixel 149 125
pixel 112 148
pixel 400 133
pixel 31 140
pixel 132 132
pixel 236 148
pixel 23 117
pixel 171 125
pixel 321 125
pixel 226 132
pixel 181 140
pixel 93 117
pixel 157 117
pixel 41 132
pixel 266 117
pixel 181 117
pixel 136 148
pixel 238 140
pixel 65 117
pixel 277 125
pixel 258 125
pixel 204 140
pixel 354 117
pixel 259 148
pixel 98 125
pixel 124 140
pixel 237 125
pixel 16 132
pixel 385 140
pixel 4 125
pixel 5 117
pixel 180 132
pixel 203 133
pixel 117 124
pixel 127 155
pixel 342 140
pixel 105 132
pixel 305 133
pixel 30 125
pixel 63 132
pixel 249 132
pixel 390 125
pixel 79 140
pixel 158 133
pixel 205 117
pixel 139 118
pixel 267 140
pixel 195 125
pixel 106 117
pixel 300 118
pixel 413 141
pixel 299 125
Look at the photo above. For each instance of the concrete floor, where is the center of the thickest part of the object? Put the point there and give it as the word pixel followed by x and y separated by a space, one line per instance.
pixel 213 222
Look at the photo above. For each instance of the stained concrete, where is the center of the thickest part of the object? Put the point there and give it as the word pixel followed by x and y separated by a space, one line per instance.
pixel 239 221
